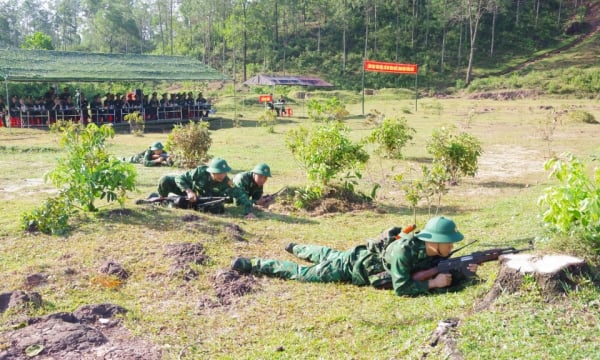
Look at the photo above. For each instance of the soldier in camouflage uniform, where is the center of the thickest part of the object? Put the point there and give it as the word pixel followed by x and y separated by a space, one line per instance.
pixel 387 262
pixel 204 181
pixel 252 183
pixel 154 156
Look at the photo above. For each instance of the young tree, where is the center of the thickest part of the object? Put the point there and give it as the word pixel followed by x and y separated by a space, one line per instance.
pixel 457 153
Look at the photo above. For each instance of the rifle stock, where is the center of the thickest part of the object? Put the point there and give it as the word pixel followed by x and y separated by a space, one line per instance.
pixel 461 263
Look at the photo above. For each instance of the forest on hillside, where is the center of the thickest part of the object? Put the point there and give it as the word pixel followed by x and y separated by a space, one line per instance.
pixel 330 38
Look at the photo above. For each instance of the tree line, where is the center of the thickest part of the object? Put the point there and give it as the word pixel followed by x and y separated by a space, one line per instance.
pixel 446 38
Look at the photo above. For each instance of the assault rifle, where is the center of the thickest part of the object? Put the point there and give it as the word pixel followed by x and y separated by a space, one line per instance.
pixel 461 263
pixel 269 199
pixel 182 202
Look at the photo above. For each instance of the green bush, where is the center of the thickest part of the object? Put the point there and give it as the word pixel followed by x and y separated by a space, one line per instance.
pixel 390 137
pixel 50 218
pixel 189 144
pixel 89 172
pixel 582 116
pixel 456 153
pixel 325 151
pixel 572 207
pixel 329 110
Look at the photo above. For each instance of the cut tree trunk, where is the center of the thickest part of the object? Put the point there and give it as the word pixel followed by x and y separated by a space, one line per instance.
pixel 554 275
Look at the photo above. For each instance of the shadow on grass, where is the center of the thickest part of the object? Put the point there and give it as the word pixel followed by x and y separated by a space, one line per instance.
pixel 422 160
pixel 502 184
pixel 421 211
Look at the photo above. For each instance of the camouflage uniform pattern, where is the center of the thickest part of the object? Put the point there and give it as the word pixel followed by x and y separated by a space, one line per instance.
pixel 200 182
pixel 381 263
pixel 245 182
pixel 144 158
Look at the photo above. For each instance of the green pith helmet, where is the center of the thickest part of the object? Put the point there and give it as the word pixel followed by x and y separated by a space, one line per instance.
pixel 440 230
pixel 218 166
pixel 262 169
pixel 156 146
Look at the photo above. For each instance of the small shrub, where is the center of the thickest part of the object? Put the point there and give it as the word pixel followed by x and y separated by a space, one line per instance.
pixel 390 137
pixel 268 119
pixel 89 172
pixel 51 218
pixel 189 144
pixel 325 151
pixel 136 123
pixel 582 116
pixel 572 207
pixel 329 110
pixel 456 153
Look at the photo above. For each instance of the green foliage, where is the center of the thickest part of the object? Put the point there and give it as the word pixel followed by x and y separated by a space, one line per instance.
pixel 325 151
pixel 268 119
pixel 303 197
pixel 50 218
pixel 188 144
pixel 136 122
pixel 89 172
pixel 329 110
pixel 572 207
pixel 456 153
pixel 429 187
pixel 38 41
pixel 582 116
pixel 391 136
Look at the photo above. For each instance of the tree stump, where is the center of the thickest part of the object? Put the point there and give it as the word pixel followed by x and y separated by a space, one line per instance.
pixel 554 274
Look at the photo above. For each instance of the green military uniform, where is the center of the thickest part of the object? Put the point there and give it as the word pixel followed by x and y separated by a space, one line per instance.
pixel 200 181
pixel 145 157
pixel 382 263
pixel 245 182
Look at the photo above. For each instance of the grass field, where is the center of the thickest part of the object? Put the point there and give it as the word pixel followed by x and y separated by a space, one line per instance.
pixel 290 320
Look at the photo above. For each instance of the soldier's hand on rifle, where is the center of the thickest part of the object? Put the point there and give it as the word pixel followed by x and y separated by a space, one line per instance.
pixel 440 281
pixel 265 201
pixel 192 197
pixel 472 267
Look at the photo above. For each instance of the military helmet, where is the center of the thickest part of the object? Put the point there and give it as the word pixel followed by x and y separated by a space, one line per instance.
pixel 262 169
pixel 440 230
pixel 218 166
pixel 156 146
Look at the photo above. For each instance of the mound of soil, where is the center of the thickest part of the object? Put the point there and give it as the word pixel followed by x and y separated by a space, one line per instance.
pixel 228 285
pixel 90 332
pixel 183 255
pixel 334 200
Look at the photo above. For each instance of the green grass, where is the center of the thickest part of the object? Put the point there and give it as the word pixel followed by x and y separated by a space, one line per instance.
pixel 290 320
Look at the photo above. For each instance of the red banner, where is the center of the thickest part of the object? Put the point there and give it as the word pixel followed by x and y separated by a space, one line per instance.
pixel 265 98
pixel 388 67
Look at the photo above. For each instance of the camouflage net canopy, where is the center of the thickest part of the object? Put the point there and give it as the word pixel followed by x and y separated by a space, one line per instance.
pixel 49 66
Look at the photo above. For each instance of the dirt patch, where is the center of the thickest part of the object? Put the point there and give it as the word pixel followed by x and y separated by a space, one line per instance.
pixel 185 255
pixel 234 232
pixel 90 332
pixel 506 95
pixel 334 200
pixel 228 285
pixel 115 269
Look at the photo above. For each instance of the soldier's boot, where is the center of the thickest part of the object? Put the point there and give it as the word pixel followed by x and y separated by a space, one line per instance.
pixel 290 247
pixel 242 265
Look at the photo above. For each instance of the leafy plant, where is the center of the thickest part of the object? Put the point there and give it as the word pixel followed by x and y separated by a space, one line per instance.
pixel 431 186
pixel 391 136
pixel 325 151
pixel 572 207
pixel 189 144
pixel 305 196
pixel 89 172
pixel 330 110
pixel 136 123
pixel 268 119
pixel 50 218
pixel 583 116
pixel 456 153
